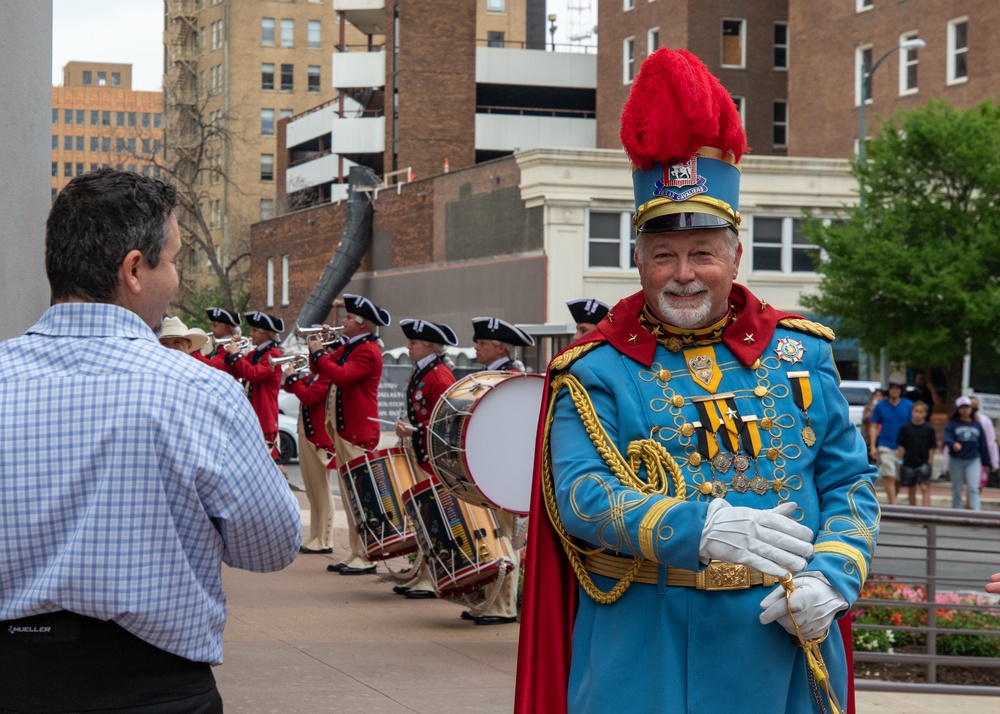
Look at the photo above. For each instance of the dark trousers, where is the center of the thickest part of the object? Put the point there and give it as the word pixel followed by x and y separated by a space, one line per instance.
pixel 62 662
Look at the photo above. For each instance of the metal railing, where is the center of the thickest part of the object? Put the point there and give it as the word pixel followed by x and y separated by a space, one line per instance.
pixel 940 551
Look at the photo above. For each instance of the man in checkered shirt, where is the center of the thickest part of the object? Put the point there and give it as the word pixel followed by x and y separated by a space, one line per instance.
pixel 128 474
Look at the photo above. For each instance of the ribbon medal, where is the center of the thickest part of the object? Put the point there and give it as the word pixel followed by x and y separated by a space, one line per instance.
pixel 802 396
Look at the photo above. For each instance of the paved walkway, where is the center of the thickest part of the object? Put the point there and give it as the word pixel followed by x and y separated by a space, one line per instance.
pixel 305 640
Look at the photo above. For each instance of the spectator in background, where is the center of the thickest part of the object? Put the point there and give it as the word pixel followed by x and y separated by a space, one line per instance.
pixel 917 444
pixel 990 432
pixel 866 420
pixel 922 392
pixel 994 585
pixel 965 443
pixel 887 417
pixel 175 335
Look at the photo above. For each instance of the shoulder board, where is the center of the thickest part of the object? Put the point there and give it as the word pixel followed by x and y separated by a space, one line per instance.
pixel 808 326
pixel 564 359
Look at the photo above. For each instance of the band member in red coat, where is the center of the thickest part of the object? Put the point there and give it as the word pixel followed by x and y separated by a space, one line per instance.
pixel 430 379
pixel 315 455
pixel 260 381
pixel 496 342
pixel 586 312
pixel 354 370
pixel 224 324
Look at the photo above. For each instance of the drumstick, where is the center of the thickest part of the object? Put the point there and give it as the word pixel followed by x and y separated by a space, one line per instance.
pixel 408 427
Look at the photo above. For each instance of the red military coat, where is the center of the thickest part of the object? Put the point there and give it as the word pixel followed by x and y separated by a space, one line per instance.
pixel 312 391
pixel 423 391
pixel 261 383
pixel 355 369
pixel 217 358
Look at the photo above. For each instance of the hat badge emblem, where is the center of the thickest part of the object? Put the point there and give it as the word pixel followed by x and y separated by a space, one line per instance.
pixel 681 181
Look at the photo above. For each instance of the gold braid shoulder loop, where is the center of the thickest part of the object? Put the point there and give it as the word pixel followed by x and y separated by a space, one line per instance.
pixel 809 327
pixel 646 451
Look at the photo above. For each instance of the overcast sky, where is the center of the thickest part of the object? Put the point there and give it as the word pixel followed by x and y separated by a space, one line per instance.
pixel 131 32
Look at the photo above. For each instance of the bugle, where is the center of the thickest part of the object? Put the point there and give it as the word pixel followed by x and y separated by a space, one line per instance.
pixel 243 343
pixel 318 330
pixel 296 361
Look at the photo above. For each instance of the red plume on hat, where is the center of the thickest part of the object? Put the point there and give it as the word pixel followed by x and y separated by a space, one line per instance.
pixel 676 107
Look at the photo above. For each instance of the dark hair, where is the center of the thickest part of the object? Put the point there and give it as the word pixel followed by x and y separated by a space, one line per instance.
pixel 93 224
pixel 923 404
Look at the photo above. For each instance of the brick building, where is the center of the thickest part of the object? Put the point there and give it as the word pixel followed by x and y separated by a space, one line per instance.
pixel 831 40
pixel 744 43
pixel 99 120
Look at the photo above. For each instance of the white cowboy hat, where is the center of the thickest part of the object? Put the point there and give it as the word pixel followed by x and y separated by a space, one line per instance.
pixel 173 327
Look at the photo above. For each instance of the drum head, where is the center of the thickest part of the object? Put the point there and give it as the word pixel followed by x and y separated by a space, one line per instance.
pixel 500 441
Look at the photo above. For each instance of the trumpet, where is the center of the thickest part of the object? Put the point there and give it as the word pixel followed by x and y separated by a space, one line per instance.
pixel 322 331
pixel 297 361
pixel 243 343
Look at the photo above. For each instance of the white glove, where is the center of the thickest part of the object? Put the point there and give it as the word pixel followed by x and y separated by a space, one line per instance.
pixel 814 603
pixel 768 541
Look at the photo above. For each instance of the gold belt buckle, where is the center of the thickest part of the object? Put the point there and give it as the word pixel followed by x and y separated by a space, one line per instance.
pixel 720 575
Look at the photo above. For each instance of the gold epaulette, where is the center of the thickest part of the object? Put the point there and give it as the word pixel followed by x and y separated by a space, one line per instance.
pixel 563 360
pixel 809 327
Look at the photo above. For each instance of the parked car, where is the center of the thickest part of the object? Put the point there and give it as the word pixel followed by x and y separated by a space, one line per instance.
pixel 288 404
pixel 288 433
pixel 858 393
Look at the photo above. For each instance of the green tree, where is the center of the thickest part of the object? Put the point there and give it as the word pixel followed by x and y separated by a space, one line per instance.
pixel 917 269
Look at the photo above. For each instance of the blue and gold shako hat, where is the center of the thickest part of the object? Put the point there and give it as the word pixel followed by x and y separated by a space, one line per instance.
pixel 683 133
pixel 438 333
pixel 263 321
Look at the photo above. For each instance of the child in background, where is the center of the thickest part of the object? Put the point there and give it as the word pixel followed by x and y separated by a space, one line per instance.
pixel 917 443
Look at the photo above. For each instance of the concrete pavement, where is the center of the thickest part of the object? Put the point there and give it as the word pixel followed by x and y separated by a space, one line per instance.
pixel 305 640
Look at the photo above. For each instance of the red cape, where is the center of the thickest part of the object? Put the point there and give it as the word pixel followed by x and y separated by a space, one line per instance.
pixel 549 593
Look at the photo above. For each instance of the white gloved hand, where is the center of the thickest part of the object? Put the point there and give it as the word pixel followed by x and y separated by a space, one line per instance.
pixel 768 541
pixel 814 603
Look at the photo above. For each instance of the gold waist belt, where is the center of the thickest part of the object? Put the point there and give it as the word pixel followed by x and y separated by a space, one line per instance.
pixel 719 575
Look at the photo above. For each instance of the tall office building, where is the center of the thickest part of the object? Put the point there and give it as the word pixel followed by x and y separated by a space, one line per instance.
pixel 99 120
pixel 233 69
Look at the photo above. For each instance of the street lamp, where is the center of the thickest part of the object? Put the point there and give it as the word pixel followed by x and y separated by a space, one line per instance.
pixel 552 31
pixel 914 43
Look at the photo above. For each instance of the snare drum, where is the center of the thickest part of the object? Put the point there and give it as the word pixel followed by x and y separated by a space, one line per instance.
pixel 375 483
pixel 482 438
pixel 462 543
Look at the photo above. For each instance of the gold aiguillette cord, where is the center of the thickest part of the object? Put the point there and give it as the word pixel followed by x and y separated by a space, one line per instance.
pixel 815 665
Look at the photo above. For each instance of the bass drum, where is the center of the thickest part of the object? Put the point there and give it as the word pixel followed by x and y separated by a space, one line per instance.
pixel 482 438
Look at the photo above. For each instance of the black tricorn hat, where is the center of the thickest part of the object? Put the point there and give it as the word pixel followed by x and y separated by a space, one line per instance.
pixel 493 328
pixel 263 321
pixel 437 333
pixel 219 314
pixel 363 307
pixel 587 310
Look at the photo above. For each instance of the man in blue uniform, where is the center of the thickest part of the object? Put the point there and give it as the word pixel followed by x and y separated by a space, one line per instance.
pixel 694 451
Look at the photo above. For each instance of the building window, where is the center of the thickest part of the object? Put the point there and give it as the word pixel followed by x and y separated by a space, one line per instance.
pixel 780 246
pixel 105 144
pixel 55 116
pixel 145 147
pixel 610 240
pixel 79 116
pixel 119 144
pixel 314 77
pixel 131 145
pixel 733 45
pixel 496 5
pixel 267 167
pixel 88 77
pixel 157 120
pixel 781 45
pixel 67 143
pixel 285 113
pixel 741 104
pixel 267 31
pixel 628 60
pixel 780 124
pixel 95 117
pixel 863 5
pixel 145 115
pixel 266 209
pixel 652 40
pixel 314 38
pixel 79 143
pixel 67 116
pixel 55 142
pixel 102 79
pixel 270 282
pixel 287 77
pixel 119 118
pixel 287 33
pixel 908 66
pixel 284 279
pixel 79 168
pixel 267 122
pixel 55 169
pixel 494 38
pixel 862 64
pixel 267 75
pixel 95 144
pixel 131 118
pixel 116 79
pixel 958 50
pixel 628 4
pixel 67 169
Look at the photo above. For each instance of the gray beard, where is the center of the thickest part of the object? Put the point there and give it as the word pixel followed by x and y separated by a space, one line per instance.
pixel 687 317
